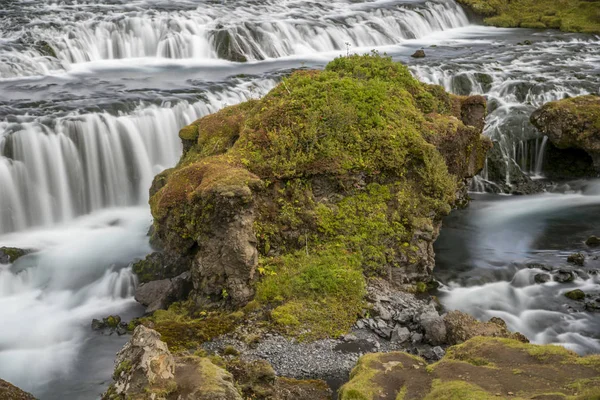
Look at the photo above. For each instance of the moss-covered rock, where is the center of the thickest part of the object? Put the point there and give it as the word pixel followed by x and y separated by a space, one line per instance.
pixel 160 265
pixel 9 255
pixel 333 176
pixel 461 327
pixel 572 124
pixel 566 15
pixel 576 294
pixel 11 392
pixel 481 368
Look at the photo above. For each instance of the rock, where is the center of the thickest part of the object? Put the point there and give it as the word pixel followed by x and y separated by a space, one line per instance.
pixel 158 295
pixel 572 123
pixel 593 241
pixel 11 392
pixel 419 54
pixel 400 334
pixel 435 329
pixel 97 325
pixel 144 365
pixel 145 369
pixel 576 294
pixel 476 369
pixel 439 352
pixel 461 327
pixel 292 389
pixel 161 265
pixel 416 337
pixel 9 255
pixel 542 278
pixel 577 259
pixel 564 276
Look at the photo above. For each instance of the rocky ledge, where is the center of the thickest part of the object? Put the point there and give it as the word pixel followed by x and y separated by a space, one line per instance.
pixel 11 392
pixel 573 127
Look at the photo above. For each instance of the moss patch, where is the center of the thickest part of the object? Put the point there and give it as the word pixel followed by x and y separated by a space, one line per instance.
pixel 566 15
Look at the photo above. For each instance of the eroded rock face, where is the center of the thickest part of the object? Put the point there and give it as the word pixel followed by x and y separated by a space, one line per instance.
pixel 11 392
pixel 481 368
pixel 572 124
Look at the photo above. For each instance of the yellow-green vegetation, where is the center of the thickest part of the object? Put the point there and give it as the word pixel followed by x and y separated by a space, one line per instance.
pixel 520 370
pixel 184 328
pixel 566 15
pixel 11 254
pixel 123 367
pixel 343 172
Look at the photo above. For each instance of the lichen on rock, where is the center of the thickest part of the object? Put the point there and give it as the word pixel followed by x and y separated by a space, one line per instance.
pixel 332 177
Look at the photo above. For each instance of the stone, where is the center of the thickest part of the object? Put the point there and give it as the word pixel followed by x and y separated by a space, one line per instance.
pixel 461 327
pixel 576 294
pixel 400 334
pixel 416 337
pixel 593 241
pixel 158 295
pixel 577 259
pixel 438 352
pixel 9 255
pixel 564 276
pixel 9 391
pixel 97 325
pixel 419 54
pixel 435 329
pixel 542 278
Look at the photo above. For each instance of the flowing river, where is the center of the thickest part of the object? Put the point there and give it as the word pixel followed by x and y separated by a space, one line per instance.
pixel 93 93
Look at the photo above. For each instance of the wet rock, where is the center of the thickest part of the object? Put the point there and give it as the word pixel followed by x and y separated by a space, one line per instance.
pixel 593 241
pixel 461 327
pixel 576 294
pixel 157 295
pixel 577 259
pixel 542 278
pixel 9 391
pixel 564 276
pixel 9 255
pixel 500 166
pixel 161 265
pixel 419 54
pixel 109 325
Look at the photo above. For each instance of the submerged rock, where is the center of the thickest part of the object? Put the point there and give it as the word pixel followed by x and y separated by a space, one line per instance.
pixel 564 276
pixel 577 259
pixel 11 392
pixel 9 255
pixel 593 241
pixel 576 294
pixel 481 368
pixel 542 278
pixel 572 124
pixel 419 54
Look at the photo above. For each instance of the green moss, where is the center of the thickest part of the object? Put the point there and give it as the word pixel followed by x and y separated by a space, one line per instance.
pixel 361 385
pixel 123 367
pixel 184 329
pixel 567 15
pixel 457 390
pixel 576 294
pixel 112 321
pixel 189 132
pixel 12 253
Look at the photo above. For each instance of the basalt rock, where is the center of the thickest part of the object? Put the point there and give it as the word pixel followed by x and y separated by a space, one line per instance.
pixel 11 392
pixel 159 295
pixel 572 124
pixel 333 176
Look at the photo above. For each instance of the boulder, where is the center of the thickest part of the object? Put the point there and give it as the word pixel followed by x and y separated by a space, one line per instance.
pixel 577 259
pixel 418 54
pixel 572 123
pixel 9 255
pixel 564 276
pixel 593 241
pixel 481 368
pixel 542 278
pixel 161 265
pixel 435 329
pixel 11 392
pixel 576 294
pixel 158 295
pixel 461 327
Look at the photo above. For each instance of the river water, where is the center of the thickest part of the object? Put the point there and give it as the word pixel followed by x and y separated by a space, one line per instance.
pixel 93 93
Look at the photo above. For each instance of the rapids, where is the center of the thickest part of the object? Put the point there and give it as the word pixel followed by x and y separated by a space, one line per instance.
pixel 92 94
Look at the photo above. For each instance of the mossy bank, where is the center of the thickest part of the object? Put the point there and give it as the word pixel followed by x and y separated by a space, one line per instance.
pixel 332 177
pixel 566 15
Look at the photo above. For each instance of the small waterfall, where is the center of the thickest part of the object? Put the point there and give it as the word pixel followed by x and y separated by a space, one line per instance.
pixel 53 172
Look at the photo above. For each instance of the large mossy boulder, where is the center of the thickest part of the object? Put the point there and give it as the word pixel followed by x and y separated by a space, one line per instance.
pixel 572 124
pixel 479 369
pixel 566 15
pixel 333 176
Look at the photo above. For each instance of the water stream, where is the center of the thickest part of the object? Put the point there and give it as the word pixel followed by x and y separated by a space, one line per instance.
pixel 93 93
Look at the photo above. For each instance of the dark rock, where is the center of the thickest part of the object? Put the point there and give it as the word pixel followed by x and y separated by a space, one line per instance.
pixel 400 334
pixel 419 54
pixel 564 276
pixel 593 241
pixel 577 259
pixel 97 325
pixel 576 294
pixel 435 329
pixel 161 265
pixel 542 278
pixel 158 295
